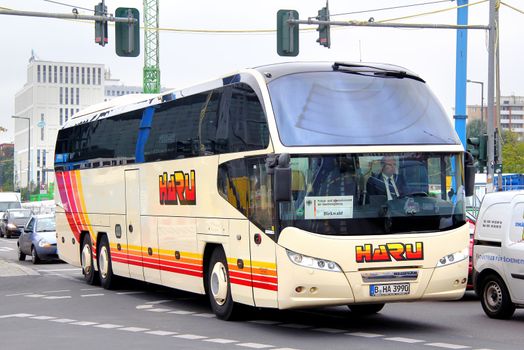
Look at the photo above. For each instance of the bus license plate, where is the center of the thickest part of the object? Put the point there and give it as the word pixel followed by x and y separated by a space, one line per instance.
pixel 378 290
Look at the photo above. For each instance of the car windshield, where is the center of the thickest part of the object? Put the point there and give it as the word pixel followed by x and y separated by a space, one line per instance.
pixel 362 194
pixel 337 108
pixel 45 225
pixel 9 205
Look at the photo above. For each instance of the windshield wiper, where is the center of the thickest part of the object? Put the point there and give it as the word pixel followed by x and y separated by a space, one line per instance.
pixel 361 69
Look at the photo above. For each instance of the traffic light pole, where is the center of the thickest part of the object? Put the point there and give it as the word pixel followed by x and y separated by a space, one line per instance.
pixel 109 18
pixel 490 127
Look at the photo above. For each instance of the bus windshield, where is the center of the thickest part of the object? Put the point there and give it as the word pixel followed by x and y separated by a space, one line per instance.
pixel 337 108
pixel 368 194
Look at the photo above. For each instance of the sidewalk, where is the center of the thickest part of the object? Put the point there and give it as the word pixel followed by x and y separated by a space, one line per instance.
pixel 8 269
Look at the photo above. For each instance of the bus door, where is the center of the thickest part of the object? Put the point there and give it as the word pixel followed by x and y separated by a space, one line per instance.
pixel 262 245
pixel 134 237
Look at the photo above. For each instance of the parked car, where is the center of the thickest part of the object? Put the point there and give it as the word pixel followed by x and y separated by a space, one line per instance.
pixel 12 221
pixel 38 239
pixel 498 259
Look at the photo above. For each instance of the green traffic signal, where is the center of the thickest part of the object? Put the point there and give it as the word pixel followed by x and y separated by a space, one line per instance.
pixel 127 35
pixel 287 34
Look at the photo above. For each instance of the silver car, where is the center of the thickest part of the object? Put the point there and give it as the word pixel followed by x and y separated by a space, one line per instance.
pixel 38 239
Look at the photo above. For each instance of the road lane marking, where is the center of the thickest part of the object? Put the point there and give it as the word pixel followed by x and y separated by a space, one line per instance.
pixel 63 320
pixel 108 326
pixel 448 346
pixel 58 270
pixel 43 318
pixel 181 312
pixel 161 333
pixel 34 295
pixel 129 293
pixel 255 345
pixel 57 291
pixel 159 310
pixel 190 336
pixel 91 295
pixel 405 340
pixel 58 297
pixel 158 302
pixel 84 323
pixel 140 307
pixel 133 329
pixel 17 315
pixel 205 315
pixel 365 335
pixel 221 341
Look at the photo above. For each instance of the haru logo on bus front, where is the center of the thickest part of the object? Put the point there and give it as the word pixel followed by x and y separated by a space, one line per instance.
pixel 389 251
pixel 177 188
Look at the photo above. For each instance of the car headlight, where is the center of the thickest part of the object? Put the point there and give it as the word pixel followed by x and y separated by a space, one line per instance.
pixel 43 243
pixel 308 261
pixel 453 258
pixel 11 226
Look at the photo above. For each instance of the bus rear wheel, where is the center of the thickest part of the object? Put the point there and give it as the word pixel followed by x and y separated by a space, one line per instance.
pixel 219 287
pixel 86 258
pixel 105 268
pixel 367 309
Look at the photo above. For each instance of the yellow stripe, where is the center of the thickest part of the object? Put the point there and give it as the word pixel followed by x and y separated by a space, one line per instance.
pixel 254 264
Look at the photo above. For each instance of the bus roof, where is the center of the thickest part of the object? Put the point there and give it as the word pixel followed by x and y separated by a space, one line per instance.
pixel 127 103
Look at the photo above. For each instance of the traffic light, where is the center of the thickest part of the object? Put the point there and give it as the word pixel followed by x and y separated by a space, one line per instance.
pixel 477 146
pixel 324 38
pixel 287 34
pixel 101 26
pixel 127 35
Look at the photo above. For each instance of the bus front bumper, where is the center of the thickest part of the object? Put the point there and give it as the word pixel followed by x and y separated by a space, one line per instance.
pixel 303 287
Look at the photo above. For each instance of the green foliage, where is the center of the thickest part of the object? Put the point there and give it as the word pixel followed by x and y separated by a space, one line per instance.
pixel 474 128
pixel 512 153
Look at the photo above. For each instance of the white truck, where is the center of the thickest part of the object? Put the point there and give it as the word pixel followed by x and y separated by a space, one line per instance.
pixel 498 253
pixel 9 200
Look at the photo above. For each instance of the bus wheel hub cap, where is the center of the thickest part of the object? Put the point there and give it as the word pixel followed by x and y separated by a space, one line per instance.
pixel 103 262
pixel 86 259
pixel 219 283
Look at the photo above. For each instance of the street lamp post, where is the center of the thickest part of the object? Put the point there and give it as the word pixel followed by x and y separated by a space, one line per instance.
pixel 28 151
pixel 481 103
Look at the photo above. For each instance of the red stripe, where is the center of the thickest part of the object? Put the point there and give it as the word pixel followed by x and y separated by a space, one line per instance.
pixel 265 286
pixel 159 267
pixel 65 201
pixel 269 279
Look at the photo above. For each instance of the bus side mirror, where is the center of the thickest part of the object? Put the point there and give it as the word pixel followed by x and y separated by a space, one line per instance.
pixel 282 179
pixel 469 174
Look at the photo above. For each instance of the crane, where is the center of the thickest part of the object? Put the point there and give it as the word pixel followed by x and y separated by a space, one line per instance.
pixel 151 47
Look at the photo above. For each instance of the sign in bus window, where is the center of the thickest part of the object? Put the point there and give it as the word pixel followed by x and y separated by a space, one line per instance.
pixel 328 207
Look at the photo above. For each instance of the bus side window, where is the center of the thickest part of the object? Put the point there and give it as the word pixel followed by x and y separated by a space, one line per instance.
pixel 233 184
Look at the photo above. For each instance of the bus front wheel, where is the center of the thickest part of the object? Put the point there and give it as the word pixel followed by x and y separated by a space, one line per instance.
pixel 219 286
pixel 86 258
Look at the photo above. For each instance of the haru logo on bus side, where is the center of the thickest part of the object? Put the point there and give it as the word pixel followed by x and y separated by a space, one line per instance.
pixel 177 188
pixel 389 251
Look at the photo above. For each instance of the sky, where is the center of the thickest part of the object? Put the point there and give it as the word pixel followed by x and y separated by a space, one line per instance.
pixel 188 58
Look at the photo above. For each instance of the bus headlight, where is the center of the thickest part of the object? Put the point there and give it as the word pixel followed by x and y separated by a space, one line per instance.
pixel 308 261
pixel 453 258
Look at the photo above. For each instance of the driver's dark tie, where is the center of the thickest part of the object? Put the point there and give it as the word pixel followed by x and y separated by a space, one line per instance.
pixel 392 189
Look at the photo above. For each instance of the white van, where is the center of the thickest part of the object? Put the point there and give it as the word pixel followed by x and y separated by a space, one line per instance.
pixel 9 200
pixel 498 253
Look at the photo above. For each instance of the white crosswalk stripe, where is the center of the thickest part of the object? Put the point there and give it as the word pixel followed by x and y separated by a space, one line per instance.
pixel 6 249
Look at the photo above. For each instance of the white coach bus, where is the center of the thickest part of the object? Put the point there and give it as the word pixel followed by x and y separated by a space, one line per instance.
pixel 267 188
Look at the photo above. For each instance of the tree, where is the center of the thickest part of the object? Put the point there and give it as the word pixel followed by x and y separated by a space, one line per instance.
pixel 512 153
pixel 474 128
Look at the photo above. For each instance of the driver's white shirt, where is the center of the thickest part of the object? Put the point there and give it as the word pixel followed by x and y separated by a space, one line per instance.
pixel 386 178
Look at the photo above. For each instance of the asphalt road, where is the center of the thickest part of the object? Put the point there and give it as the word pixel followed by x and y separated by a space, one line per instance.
pixel 48 306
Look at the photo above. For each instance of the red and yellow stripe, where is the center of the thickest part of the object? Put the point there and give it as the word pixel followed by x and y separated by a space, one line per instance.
pixel 71 192
pixel 256 274
pixel 190 264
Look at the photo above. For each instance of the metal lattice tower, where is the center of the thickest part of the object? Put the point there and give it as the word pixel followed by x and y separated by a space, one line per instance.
pixel 151 47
